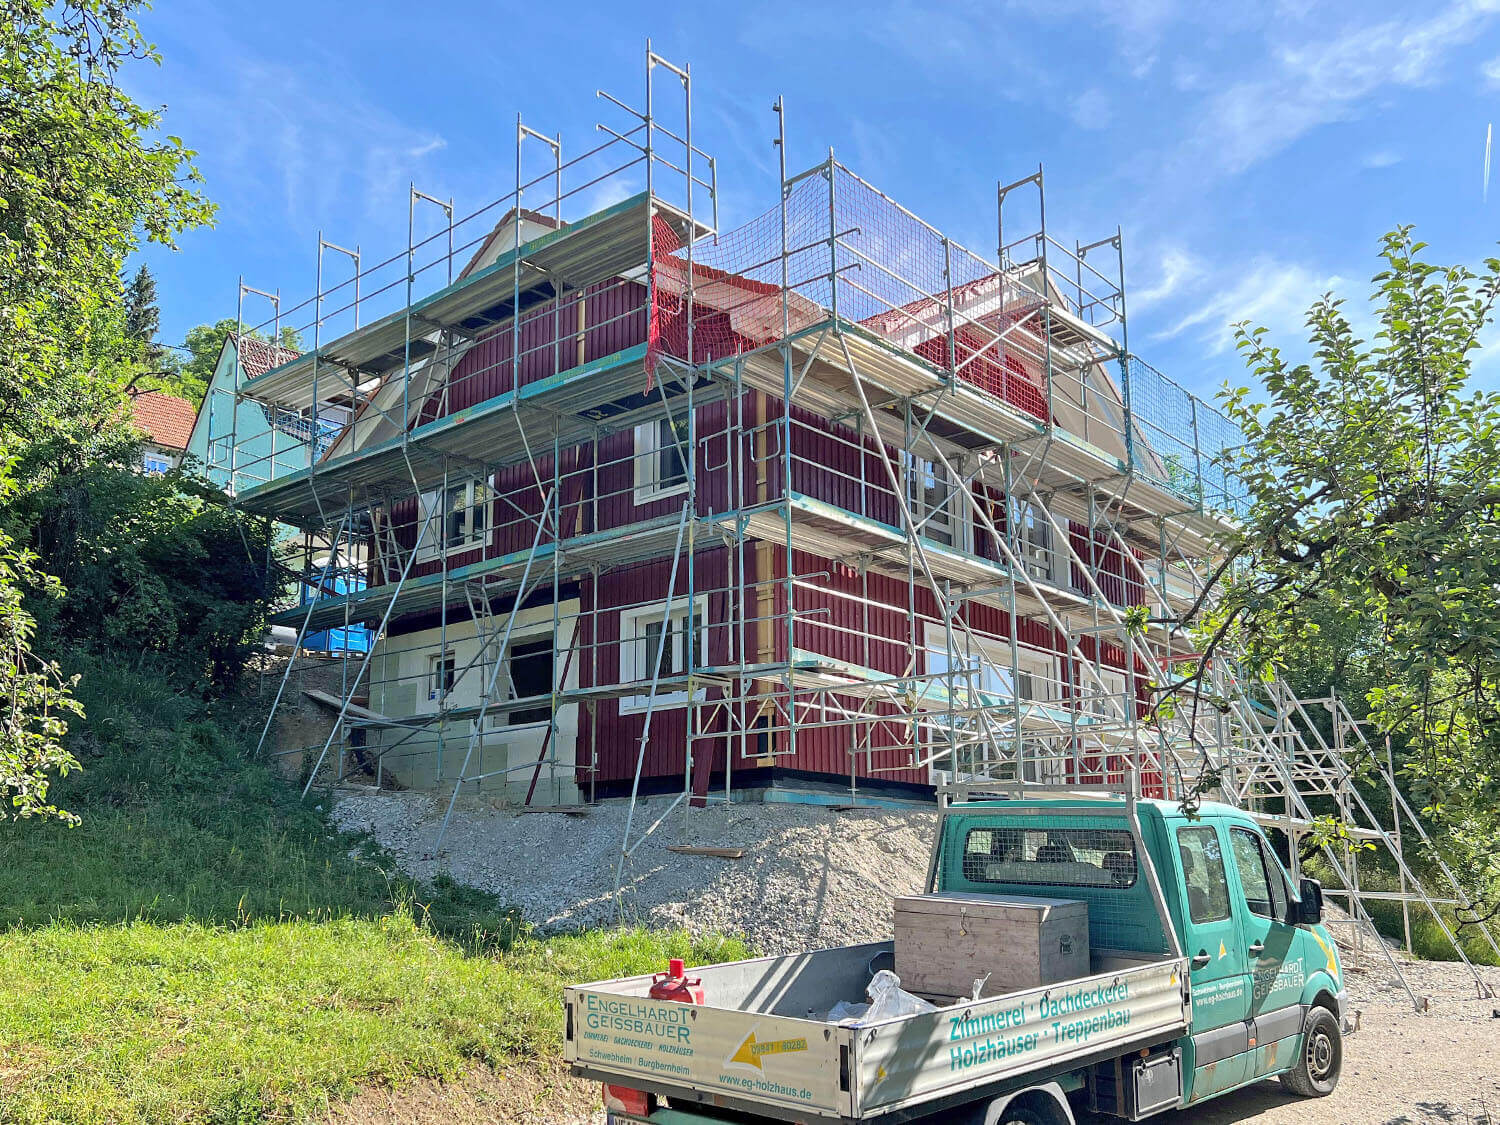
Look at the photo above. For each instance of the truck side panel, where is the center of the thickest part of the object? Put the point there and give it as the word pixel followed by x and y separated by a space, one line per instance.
pixel 736 1056
pixel 941 1053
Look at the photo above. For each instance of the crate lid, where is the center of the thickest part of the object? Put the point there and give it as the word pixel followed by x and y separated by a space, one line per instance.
pixel 944 902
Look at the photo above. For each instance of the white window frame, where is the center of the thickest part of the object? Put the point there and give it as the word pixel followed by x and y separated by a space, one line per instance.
pixel 436 693
pixel 957 518
pixel 1038 664
pixel 649 447
pixel 155 464
pixel 635 661
pixel 478 497
pixel 1032 539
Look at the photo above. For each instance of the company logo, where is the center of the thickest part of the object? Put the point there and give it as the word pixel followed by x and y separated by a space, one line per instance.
pixel 1333 962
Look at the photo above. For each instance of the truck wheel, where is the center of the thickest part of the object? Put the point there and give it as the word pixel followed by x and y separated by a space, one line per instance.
pixel 1020 1115
pixel 1317 1071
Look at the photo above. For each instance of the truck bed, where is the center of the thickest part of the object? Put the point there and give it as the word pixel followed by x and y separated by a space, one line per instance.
pixel 760 1043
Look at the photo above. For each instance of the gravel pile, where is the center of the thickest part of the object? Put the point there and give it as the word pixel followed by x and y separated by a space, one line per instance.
pixel 809 876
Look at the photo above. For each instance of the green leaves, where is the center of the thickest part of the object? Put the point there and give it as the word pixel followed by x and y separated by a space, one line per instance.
pixel 84 176
pixel 34 696
pixel 1371 550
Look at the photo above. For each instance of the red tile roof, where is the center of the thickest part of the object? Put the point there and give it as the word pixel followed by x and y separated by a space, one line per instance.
pixel 166 419
pixel 257 356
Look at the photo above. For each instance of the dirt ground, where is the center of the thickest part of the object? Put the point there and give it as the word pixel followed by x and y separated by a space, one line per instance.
pixel 1400 1068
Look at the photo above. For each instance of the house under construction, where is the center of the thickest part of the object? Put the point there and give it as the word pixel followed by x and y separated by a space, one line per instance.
pixel 827 503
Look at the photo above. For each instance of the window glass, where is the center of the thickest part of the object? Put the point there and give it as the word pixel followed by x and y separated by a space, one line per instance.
pixel 647 629
pixel 440 675
pixel 462 513
pixel 653 648
pixel 935 501
pixel 1067 857
pixel 1265 893
pixel 1033 539
pixel 671 441
pixel 455 515
pixel 530 669
pixel 1203 874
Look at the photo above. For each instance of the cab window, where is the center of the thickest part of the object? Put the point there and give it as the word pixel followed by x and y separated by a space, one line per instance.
pixel 1203 874
pixel 1050 857
pixel 1260 875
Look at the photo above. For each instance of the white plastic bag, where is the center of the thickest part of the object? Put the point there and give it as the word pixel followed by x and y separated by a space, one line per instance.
pixel 844 1011
pixel 889 1000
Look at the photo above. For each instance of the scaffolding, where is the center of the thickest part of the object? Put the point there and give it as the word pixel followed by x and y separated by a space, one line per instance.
pixel 631 504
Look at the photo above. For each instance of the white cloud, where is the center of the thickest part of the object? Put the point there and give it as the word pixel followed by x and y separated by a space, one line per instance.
pixel 1275 295
pixel 1177 268
pixel 1318 81
pixel 1491 72
pixel 1381 158
pixel 327 148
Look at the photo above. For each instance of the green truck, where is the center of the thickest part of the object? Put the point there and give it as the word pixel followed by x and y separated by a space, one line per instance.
pixel 1207 971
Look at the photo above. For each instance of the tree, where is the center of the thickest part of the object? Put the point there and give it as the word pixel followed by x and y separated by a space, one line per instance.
pixel 84 175
pixel 143 321
pixel 148 567
pixel 1370 550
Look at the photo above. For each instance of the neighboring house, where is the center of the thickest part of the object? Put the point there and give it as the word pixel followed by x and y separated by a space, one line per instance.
pixel 233 442
pixel 234 439
pixel 167 423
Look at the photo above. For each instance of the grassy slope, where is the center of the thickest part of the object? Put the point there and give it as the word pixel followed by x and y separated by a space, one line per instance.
pixel 205 948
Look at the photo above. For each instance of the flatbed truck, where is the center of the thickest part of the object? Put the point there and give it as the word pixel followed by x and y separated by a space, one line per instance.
pixel 1208 971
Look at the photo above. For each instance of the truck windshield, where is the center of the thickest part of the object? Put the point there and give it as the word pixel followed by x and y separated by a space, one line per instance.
pixel 1052 857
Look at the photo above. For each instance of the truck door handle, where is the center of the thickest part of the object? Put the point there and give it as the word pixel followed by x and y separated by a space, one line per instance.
pixel 1202 958
pixel 1258 947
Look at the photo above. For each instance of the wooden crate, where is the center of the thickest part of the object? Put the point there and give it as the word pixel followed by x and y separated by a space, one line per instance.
pixel 944 942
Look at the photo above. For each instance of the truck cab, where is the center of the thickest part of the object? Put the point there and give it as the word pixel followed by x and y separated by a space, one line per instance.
pixel 1259 958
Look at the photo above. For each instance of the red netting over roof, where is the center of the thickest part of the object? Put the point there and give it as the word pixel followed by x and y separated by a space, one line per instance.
pixel 895 277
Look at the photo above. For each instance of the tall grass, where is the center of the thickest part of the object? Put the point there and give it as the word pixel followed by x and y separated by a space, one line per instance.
pixel 179 822
pixel 204 947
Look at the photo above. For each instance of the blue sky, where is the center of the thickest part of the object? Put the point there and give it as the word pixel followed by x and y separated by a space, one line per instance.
pixel 1253 155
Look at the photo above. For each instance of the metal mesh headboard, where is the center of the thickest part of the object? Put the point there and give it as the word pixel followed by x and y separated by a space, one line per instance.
pixel 1092 857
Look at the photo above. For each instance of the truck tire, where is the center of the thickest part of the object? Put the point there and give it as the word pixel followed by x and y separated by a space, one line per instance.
pixel 1021 1115
pixel 1322 1059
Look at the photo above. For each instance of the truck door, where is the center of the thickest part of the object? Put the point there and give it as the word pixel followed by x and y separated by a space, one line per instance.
pixel 1216 952
pixel 1273 955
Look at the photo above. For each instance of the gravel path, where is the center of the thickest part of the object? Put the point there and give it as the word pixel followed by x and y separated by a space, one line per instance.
pixel 815 876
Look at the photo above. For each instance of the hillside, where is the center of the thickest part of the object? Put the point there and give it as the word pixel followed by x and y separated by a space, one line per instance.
pixel 204 947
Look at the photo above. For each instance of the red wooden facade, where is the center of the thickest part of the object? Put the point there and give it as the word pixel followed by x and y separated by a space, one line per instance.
pixel 863 621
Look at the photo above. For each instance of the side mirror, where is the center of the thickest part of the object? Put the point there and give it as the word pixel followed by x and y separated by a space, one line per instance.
pixel 1310 906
